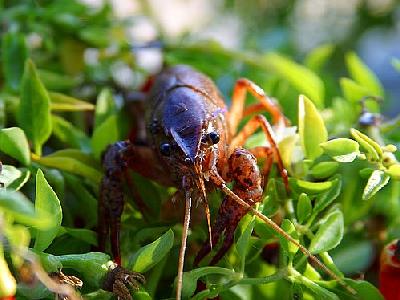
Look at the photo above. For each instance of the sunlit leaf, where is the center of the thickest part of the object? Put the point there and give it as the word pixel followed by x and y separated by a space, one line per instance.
pixel 363 75
pixel 14 143
pixel 374 151
pixel 324 169
pixel 105 107
pixel 303 79
pixel 34 108
pixel 316 59
pixel 312 129
pixel 46 201
pixel 304 207
pixel 148 256
pixel 341 149
pixel 61 102
pixel 376 181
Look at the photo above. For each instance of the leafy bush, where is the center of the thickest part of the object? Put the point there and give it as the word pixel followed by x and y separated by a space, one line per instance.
pixel 58 113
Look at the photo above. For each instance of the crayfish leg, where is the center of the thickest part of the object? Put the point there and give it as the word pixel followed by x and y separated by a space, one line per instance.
pixel 237 110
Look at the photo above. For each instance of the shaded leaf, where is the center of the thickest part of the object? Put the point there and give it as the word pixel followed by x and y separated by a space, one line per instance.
pixel 304 207
pixel 46 201
pixel 105 107
pixel 70 134
pixel 328 197
pixel 104 135
pixel 312 129
pixel 14 53
pixel 34 109
pixel 288 247
pixel 316 59
pixel 56 81
pixel 148 256
pixel 14 143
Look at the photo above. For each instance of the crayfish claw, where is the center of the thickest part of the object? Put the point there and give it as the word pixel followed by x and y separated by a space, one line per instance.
pixel 119 281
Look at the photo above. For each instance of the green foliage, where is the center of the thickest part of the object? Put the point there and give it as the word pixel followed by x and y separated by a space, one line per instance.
pixel 67 111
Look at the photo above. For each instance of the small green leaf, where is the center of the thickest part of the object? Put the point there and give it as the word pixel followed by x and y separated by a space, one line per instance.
pixel 141 296
pixel 363 75
pixel 70 134
pixel 14 53
pixel 309 187
pixel 354 92
pixel 61 102
pixel 312 129
pixel 324 169
pixel 148 256
pixel 46 201
pixel 22 210
pixel 8 284
pixel 63 161
pixel 341 149
pixel 18 183
pixel 247 224
pixel 364 289
pixel 14 143
pixel 316 59
pixel 93 266
pixel 34 109
pixel 329 234
pixel 104 135
pixel 9 174
pixel 304 207
pixel 374 151
pixel 376 181
pixel 303 79
pixel 55 81
pixel 328 197
pixel 190 278
pixel 288 247
pixel 394 171
pixel 105 107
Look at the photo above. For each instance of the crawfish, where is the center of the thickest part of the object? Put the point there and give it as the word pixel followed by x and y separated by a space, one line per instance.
pixel 192 142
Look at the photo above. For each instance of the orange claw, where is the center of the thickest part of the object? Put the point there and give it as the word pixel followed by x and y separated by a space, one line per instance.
pixel 389 271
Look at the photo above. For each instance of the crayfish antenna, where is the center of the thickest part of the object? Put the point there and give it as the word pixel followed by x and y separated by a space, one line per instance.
pixel 221 184
pixel 207 212
pixel 186 222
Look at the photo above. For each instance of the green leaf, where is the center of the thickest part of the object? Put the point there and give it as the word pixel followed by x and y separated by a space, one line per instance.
pixel 354 92
pixel 34 109
pixel 394 171
pixel 74 162
pixel 374 151
pixel 304 207
pixel 309 187
pixel 303 79
pixel 364 289
pixel 18 183
pixel 9 174
pixel 316 59
pixel 22 210
pixel 341 149
pixel 242 244
pixel 55 81
pixel 104 135
pixel 93 266
pixel 312 129
pixel 105 107
pixel 86 235
pixel 190 278
pixel 148 256
pixel 324 169
pixel 46 201
pixel 141 296
pixel 329 234
pixel 14 53
pixel 8 284
pixel 363 75
pixel 288 247
pixel 14 143
pixel 376 181
pixel 70 134
pixel 61 102
pixel 328 197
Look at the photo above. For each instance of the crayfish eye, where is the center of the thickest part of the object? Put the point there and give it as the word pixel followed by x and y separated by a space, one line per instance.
pixel 214 137
pixel 165 149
